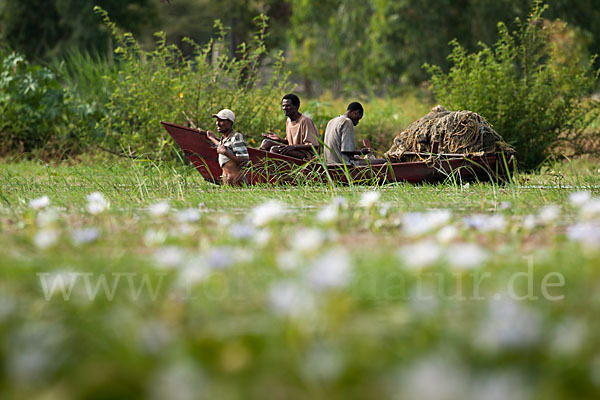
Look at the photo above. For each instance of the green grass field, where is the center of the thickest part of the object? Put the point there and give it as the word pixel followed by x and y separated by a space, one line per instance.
pixel 125 279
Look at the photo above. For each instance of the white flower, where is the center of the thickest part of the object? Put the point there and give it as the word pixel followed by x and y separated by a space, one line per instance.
pixel 369 199
pixel 288 260
pixel 85 235
pixel 529 222
pixel 288 299
pixel 331 270
pixel 159 209
pixel 188 215
pixel 501 386
pixel 178 380
pixel 194 270
pixel 328 213
pixel 39 203
pixel 322 363
pixel 586 233
pixel 46 217
pixel 465 256
pixel 505 205
pixel 241 231
pixel 569 337
pixel 415 224
pixel 220 257
pixel 267 212
pixel 307 240
pixel 262 237
pixel 436 377
pixel 96 203
pixel 45 238
pixel 155 335
pixel 447 234
pixel 580 198
pixel 420 255
pixel 591 209
pixel 485 223
pixel 154 237
pixel 385 208
pixel 169 257
pixel 509 324
pixel 548 214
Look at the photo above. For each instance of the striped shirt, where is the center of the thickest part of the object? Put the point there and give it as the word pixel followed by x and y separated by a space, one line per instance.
pixel 234 143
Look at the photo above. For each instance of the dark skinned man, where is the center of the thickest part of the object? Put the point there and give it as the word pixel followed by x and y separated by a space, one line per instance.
pixel 301 137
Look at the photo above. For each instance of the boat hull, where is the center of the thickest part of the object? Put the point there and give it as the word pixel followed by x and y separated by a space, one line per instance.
pixel 270 168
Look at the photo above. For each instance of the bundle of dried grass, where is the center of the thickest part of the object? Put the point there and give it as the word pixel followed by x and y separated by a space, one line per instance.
pixel 447 132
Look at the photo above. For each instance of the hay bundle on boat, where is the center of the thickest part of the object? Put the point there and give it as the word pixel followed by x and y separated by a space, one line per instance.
pixel 447 132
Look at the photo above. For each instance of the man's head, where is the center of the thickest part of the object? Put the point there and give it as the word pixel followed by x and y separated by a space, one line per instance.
pixel 355 112
pixel 290 103
pixel 225 119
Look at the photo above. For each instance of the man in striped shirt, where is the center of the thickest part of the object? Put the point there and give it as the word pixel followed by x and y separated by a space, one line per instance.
pixel 232 150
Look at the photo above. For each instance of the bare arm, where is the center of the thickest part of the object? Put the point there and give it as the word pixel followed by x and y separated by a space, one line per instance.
pixel 210 136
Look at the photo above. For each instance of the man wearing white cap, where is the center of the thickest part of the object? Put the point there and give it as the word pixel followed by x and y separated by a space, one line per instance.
pixel 232 149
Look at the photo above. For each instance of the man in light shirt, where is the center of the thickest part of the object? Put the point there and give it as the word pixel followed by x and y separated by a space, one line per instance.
pixel 301 136
pixel 340 138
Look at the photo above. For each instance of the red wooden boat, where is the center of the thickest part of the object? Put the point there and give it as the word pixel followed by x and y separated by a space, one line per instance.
pixel 271 168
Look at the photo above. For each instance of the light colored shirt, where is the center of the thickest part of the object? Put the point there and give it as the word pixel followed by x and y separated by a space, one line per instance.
pixel 339 137
pixel 301 131
pixel 234 143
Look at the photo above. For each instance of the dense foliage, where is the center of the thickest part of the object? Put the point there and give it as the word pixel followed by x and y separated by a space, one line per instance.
pixel 162 84
pixel 532 89
pixel 33 110
pixel 350 45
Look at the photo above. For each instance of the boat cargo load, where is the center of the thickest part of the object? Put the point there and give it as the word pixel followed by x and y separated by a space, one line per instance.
pixel 447 132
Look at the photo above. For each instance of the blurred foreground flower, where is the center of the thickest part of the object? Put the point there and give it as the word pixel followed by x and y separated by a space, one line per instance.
pixel 188 215
pixel 289 299
pixel 548 214
pixel 415 224
pixel 509 324
pixel 307 240
pixel 420 255
pixel 465 255
pixel 580 198
pixel 486 223
pixel 179 380
pixel 158 209
pixel 84 235
pixel 154 237
pixel 591 209
pixel 369 199
pixel 437 377
pixel 267 212
pixel 586 233
pixel 169 257
pixel 46 217
pixel 39 202
pixel 331 270
pixel 45 238
pixel 96 203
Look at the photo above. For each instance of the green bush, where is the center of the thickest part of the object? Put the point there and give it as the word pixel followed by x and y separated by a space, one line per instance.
pixel 525 86
pixel 163 85
pixel 33 111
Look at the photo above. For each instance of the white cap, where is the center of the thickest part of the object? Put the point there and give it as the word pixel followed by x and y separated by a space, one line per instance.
pixel 225 113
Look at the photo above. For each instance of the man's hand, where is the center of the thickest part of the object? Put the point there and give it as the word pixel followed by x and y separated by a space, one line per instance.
pixel 271 135
pixel 210 135
pixel 221 149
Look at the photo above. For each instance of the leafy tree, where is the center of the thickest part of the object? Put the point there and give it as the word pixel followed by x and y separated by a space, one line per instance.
pixel 45 28
pixel 533 95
